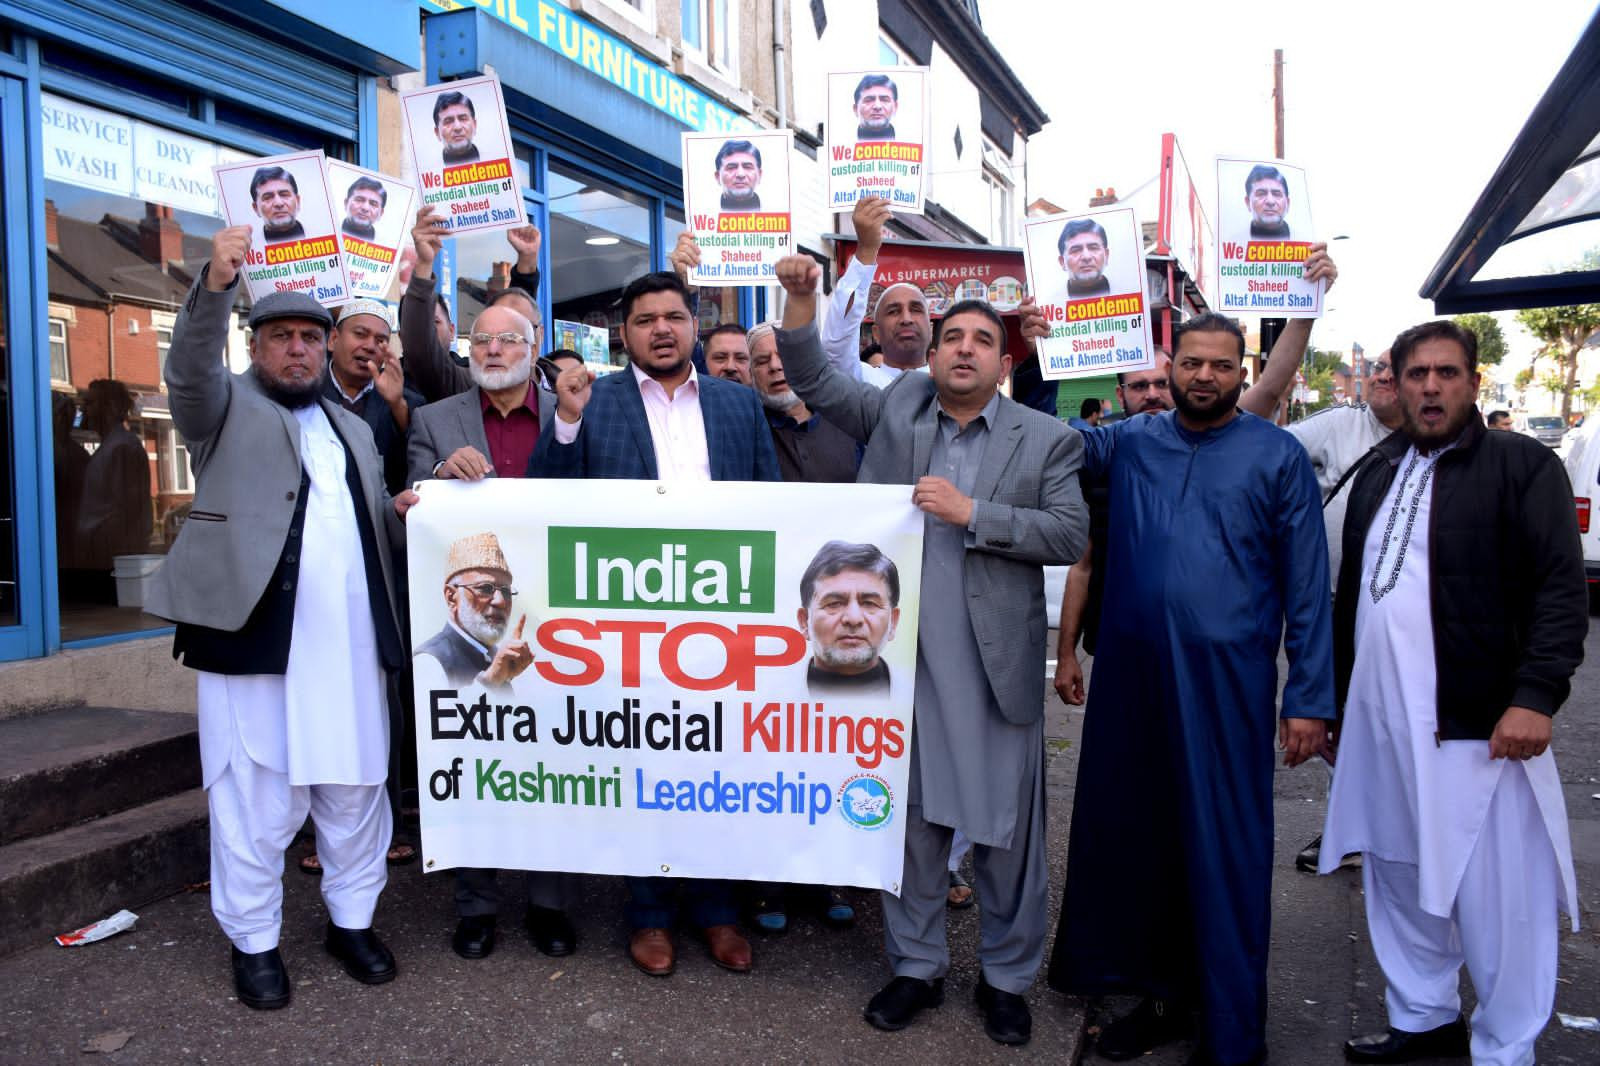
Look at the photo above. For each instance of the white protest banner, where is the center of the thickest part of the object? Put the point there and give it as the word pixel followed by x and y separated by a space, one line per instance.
pixel 461 146
pixel 877 137
pixel 374 221
pixel 736 194
pixel 1264 236
pixel 1087 273
pixel 684 679
pixel 294 247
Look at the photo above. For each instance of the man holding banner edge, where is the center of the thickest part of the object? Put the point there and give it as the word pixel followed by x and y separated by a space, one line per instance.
pixel 983 585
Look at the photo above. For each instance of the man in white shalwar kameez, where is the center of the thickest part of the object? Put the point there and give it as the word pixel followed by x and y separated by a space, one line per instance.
pixel 281 585
pixel 1461 614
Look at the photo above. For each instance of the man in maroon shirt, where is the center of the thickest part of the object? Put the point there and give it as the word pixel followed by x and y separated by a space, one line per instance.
pixel 490 431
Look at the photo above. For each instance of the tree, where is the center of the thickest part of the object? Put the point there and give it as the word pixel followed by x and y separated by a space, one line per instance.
pixel 1564 332
pixel 1491 342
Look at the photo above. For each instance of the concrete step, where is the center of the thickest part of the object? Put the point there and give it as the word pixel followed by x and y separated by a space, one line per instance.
pixel 63 880
pixel 66 766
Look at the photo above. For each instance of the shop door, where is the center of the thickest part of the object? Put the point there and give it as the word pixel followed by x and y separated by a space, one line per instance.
pixel 21 592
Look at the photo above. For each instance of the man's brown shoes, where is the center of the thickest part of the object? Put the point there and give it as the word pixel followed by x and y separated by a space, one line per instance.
pixel 651 949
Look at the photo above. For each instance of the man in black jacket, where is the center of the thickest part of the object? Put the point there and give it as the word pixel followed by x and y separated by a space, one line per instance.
pixel 1459 619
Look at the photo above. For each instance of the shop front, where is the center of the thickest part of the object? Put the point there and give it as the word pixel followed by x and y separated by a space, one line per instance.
pixel 112 119
pixel 597 127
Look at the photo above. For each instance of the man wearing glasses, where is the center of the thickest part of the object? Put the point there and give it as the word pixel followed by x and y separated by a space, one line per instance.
pixel 487 431
pixel 492 427
pixel 427 355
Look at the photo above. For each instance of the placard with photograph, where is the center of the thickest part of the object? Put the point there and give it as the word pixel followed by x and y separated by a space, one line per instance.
pixel 877 137
pixel 1264 235
pixel 374 222
pixel 736 194
pixel 461 146
pixel 1086 272
pixel 294 246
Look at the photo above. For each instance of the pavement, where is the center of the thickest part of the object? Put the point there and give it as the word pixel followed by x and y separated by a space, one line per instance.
pixel 163 992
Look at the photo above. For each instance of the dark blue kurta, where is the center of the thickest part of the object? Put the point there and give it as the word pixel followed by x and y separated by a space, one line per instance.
pixel 1216 552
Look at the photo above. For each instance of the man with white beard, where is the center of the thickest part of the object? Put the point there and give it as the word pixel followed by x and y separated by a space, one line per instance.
pixel 488 431
pixel 471 649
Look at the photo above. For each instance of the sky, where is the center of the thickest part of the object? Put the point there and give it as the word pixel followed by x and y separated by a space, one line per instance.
pixel 1399 111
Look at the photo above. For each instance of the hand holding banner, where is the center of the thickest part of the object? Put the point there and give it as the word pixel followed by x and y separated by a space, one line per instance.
pixel 877 137
pixel 1264 238
pixel 372 226
pixel 1086 273
pixel 736 194
pixel 461 145
pixel 294 248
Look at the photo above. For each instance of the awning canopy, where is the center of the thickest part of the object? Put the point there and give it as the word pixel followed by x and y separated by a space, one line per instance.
pixel 1550 178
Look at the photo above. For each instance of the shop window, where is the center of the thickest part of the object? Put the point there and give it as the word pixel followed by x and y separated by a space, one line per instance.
pixel 60 364
pixel 128 221
pixel 711 31
pixel 599 241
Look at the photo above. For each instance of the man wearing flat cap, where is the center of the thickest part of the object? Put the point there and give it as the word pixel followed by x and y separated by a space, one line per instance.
pixel 281 585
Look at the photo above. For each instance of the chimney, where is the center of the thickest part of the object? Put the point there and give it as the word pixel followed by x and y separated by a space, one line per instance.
pixel 52 225
pixel 1103 197
pixel 499 279
pixel 160 236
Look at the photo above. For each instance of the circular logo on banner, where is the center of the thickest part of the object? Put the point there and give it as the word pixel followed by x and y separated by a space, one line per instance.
pixel 866 802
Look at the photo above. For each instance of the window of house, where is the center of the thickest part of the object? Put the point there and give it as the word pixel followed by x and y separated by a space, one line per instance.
pixel 711 31
pixel 163 321
pixel 1002 195
pixel 60 366
pixel 642 12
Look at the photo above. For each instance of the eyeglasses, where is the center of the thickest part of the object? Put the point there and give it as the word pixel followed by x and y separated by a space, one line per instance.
pixel 1379 369
pixel 485 590
pixel 509 339
pixel 1145 386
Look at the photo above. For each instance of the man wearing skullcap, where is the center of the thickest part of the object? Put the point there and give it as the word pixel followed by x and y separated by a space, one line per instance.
pixel 365 378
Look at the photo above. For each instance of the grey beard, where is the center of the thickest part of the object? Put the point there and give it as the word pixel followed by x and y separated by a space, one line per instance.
pixel 292 396
pixel 782 400
pixel 495 380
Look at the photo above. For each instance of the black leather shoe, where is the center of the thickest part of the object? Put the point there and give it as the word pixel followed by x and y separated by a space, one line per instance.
pixel 901 1000
pixel 362 953
pixel 259 979
pixel 1152 1023
pixel 551 931
pixel 1006 1017
pixel 1449 1041
pixel 474 937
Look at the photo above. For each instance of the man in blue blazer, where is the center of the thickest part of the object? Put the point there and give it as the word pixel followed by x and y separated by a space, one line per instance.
pixel 661 420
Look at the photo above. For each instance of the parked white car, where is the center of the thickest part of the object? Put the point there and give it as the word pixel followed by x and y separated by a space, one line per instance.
pixel 1583 470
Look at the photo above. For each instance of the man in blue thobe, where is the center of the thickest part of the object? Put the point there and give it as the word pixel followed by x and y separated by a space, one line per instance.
pixel 1216 552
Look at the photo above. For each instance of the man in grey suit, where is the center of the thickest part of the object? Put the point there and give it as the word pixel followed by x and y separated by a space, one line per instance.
pixel 999 486
pixel 290 519
pixel 490 430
